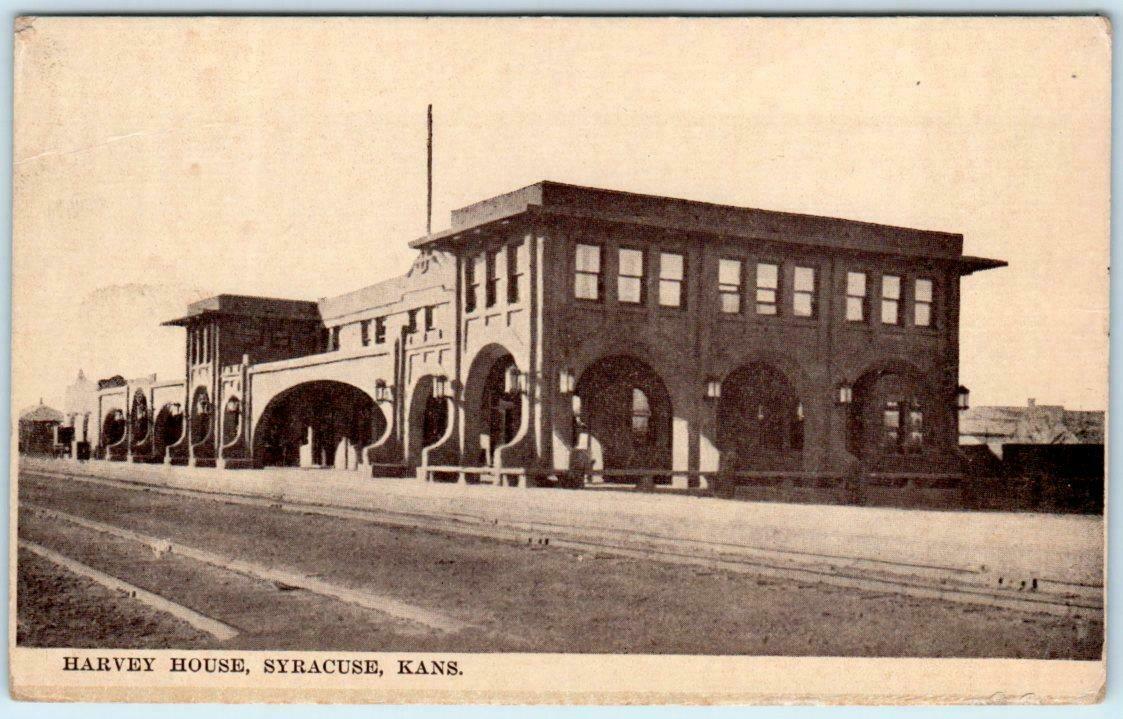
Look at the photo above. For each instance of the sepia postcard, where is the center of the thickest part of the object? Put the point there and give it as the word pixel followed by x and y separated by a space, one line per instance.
pixel 559 360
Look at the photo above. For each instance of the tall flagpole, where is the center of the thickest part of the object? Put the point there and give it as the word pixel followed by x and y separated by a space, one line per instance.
pixel 429 179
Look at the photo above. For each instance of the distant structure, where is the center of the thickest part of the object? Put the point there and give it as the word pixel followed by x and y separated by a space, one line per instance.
pixel 1031 424
pixel 39 429
pixel 80 407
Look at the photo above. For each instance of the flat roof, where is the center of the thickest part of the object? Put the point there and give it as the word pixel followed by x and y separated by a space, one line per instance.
pixel 248 306
pixel 556 199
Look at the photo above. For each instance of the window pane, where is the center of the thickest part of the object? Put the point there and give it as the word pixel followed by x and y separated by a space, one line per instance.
pixel 767 275
pixel 630 290
pixel 730 302
pixel 670 266
pixel 766 296
pixel 923 314
pixel 588 258
pixel 924 290
pixel 585 287
pixel 854 309
pixel 856 284
pixel 889 312
pixel 729 272
pixel 670 293
pixel 891 287
pixel 804 279
pixel 631 262
pixel 640 404
pixel 801 304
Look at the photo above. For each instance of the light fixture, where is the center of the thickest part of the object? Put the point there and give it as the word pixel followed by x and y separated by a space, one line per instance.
pixel 567 383
pixel 962 395
pixel 713 388
pixel 383 392
pixel 514 381
pixel 845 393
pixel 440 387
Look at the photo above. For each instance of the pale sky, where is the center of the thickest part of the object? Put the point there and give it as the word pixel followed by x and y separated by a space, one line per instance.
pixel 161 161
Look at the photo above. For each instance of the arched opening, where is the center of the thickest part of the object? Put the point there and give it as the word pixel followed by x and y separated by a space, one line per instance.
pixel 891 419
pixel 429 417
pixel 200 415
pixel 140 418
pixel 113 427
pixel 323 423
pixel 625 415
pixel 493 410
pixel 168 427
pixel 760 420
pixel 231 420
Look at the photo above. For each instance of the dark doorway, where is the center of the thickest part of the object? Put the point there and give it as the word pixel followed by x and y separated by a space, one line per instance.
pixel 317 424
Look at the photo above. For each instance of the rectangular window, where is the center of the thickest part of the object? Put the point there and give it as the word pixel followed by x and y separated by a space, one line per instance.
pixel 429 319
pixel 513 272
pixel 856 296
pixel 471 285
pixel 364 329
pixel 890 299
pixel 491 289
pixel 803 292
pixel 672 278
pixel 334 339
pixel 914 440
pixel 891 425
pixel 767 288
pixel 922 303
pixel 379 330
pixel 729 286
pixel 411 322
pixel 630 280
pixel 587 281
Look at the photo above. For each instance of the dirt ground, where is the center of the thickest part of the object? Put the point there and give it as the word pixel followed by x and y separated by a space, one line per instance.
pixel 512 597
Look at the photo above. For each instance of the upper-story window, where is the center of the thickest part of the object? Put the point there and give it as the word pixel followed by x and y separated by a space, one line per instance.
pixel 803 292
pixel 364 330
pixel 630 279
pixel 922 303
pixel 430 321
pixel 856 296
pixel 767 288
pixel 587 280
pixel 379 330
pixel 411 322
pixel 514 272
pixel 334 341
pixel 491 289
pixel 672 279
pixel 891 299
pixel 471 285
pixel 729 285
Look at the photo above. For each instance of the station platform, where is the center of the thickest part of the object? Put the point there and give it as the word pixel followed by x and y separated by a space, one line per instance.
pixel 994 552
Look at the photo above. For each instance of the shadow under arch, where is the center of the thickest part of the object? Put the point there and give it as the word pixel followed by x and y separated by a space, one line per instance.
pixel 429 419
pixel 893 417
pixel 493 417
pixel 167 429
pixel 320 423
pixel 626 415
pixel 760 419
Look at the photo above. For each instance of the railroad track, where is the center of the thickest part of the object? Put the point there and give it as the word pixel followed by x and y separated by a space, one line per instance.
pixel 956 584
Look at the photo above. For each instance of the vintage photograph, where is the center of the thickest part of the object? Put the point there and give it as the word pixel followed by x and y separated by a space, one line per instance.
pixel 371 351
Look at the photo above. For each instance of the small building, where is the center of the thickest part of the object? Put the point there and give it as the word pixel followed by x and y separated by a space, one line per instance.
pixel 1033 423
pixel 39 430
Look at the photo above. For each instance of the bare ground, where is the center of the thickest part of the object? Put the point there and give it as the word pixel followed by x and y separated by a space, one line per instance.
pixel 515 597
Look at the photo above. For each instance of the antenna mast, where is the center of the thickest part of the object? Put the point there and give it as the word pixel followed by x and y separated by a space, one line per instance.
pixel 429 178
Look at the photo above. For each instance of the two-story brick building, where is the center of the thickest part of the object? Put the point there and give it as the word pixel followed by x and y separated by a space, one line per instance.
pixel 656 334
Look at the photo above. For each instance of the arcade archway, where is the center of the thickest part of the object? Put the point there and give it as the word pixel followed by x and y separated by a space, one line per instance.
pixel 891 418
pixel 760 420
pixel 493 407
pixel 323 423
pixel 428 418
pixel 113 428
pixel 625 416
pixel 168 428
pixel 140 424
